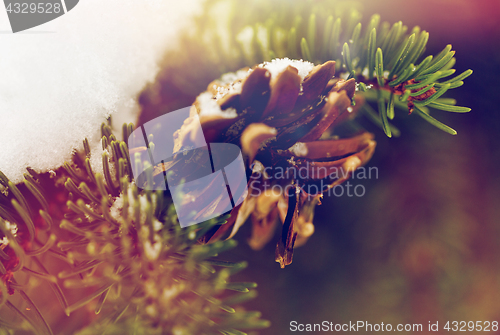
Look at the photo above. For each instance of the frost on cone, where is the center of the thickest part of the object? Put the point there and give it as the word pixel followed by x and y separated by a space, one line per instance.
pixel 277 112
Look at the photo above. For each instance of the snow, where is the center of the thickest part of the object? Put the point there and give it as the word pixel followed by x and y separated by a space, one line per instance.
pixel 278 65
pixel 228 83
pixel 299 149
pixel 96 159
pixel 60 80
pixel 230 77
pixel 209 107
pixel 232 83
pixel 117 207
pixel 13 230
pixel 222 91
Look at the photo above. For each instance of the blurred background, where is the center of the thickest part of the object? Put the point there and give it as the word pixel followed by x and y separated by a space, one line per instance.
pixel 423 243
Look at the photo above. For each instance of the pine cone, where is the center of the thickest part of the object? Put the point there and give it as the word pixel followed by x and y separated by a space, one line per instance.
pixel 277 112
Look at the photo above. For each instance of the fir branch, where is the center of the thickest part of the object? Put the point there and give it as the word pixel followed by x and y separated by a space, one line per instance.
pixel 326 35
pixel 130 240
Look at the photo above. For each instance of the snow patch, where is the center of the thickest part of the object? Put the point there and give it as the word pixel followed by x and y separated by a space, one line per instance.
pixel 299 149
pixel 209 106
pixel 278 65
pixel 231 77
pixel 13 230
pixel 60 80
